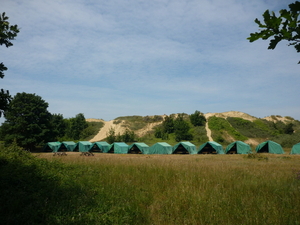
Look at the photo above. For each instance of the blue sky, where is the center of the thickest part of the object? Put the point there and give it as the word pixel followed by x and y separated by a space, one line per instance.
pixel 120 58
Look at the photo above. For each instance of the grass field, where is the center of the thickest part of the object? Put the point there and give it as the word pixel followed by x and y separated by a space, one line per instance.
pixel 194 189
pixel 163 189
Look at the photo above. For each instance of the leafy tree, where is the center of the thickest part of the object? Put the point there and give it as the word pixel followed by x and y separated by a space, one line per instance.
pixel 160 133
pixel 286 26
pixel 76 126
pixel 128 136
pixel 111 136
pixel 289 129
pixel 197 118
pixel 27 121
pixel 58 127
pixel 7 33
pixel 168 125
pixel 182 128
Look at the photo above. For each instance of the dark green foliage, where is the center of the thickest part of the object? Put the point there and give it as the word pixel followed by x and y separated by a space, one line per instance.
pixel 197 118
pixel 168 125
pixel 76 126
pixel 182 128
pixel 288 129
pixel 27 121
pixel 160 133
pixel 58 127
pixel 5 99
pixel 282 27
pixel 7 33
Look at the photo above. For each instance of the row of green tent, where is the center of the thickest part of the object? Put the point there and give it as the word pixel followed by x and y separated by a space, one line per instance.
pixel 210 147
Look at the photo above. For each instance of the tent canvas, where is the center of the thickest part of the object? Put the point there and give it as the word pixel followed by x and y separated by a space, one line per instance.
pixel 210 147
pixel 269 147
pixel 184 147
pixel 52 146
pixel 238 147
pixel 84 146
pixel 118 148
pixel 100 146
pixel 160 148
pixel 69 145
pixel 296 149
pixel 138 148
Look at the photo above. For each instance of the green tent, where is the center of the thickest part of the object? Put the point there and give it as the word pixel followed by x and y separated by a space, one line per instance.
pixel 100 146
pixel 184 147
pixel 52 146
pixel 296 149
pixel 118 148
pixel 84 146
pixel 269 147
pixel 210 147
pixel 160 148
pixel 238 147
pixel 138 148
pixel 68 145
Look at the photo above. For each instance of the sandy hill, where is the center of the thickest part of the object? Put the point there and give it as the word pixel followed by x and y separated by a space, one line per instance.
pixel 119 127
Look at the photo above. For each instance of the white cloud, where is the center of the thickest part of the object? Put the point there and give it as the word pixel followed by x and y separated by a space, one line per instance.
pixel 112 58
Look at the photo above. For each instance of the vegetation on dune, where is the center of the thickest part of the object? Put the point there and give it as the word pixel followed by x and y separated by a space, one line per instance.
pixel 135 123
pixel 220 127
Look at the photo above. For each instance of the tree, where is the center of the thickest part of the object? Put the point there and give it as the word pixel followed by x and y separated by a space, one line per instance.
pixel 181 129
pixel 27 121
pixel 58 127
pixel 111 136
pixel 168 125
pixel 76 126
pixel 289 129
pixel 286 26
pixel 197 118
pixel 7 33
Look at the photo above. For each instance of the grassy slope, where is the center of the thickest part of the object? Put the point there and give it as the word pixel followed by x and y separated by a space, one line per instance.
pixel 224 131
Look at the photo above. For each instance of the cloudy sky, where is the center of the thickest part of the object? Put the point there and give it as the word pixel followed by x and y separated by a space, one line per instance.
pixel 149 57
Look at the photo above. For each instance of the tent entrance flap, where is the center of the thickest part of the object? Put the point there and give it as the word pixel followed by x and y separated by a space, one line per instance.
pixel 233 150
pixel 96 148
pixel 111 150
pixel 181 150
pixel 134 150
pixel 264 149
pixel 208 149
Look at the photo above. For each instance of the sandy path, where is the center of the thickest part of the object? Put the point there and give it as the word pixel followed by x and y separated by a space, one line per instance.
pixel 104 130
pixel 208 131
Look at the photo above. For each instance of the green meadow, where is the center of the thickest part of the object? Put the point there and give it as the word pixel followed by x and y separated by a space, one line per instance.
pixel 148 189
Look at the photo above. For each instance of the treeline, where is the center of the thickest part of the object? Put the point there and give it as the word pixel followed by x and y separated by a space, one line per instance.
pixel 30 124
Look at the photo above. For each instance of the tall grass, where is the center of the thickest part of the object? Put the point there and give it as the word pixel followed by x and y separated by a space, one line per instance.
pixel 159 189
pixel 196 189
